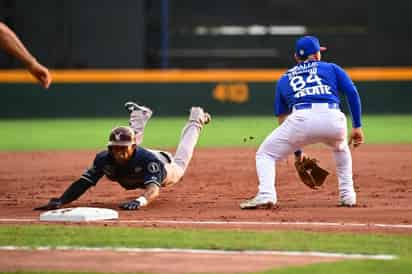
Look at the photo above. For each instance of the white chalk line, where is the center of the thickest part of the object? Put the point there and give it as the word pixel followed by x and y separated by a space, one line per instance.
pixel 251 223
pixel 203 251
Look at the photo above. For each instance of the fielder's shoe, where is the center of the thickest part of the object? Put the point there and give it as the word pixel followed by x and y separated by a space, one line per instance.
pixel 132 106
pixel 347 199
pixel 197 114
pixel 258 202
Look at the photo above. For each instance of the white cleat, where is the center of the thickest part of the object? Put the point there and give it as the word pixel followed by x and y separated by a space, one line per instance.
pixel 197 114
pixel 347 199
pixel 258 202
pixel 132 106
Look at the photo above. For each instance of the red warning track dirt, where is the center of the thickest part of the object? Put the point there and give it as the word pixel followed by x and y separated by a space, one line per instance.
pixel 217 181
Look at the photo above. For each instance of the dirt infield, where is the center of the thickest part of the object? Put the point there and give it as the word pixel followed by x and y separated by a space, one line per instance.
pixel 162 262
pixel 216 182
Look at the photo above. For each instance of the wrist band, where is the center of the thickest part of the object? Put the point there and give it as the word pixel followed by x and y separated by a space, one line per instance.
pixel 142 200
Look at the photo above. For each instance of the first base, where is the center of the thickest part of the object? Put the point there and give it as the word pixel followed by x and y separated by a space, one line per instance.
pixel 79 214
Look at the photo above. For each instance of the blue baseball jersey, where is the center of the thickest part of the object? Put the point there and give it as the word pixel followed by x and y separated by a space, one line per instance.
pixel 142 169
pixel 316 82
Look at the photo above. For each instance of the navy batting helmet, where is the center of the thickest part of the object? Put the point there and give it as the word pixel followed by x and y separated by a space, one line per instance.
pixel 121 136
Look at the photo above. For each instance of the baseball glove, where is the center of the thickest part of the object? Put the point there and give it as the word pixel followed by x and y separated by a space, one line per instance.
pixel 310 172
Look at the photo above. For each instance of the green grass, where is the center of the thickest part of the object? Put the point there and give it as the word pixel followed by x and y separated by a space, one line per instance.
pixel 393 129
pixel 66 134
pixel 41 235
pixel 57 235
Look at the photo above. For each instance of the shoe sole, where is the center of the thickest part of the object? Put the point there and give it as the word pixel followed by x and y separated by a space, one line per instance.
pixel 138 107
pixel 342 203
pixel 207 119
pixel 346 205
pixel 268 205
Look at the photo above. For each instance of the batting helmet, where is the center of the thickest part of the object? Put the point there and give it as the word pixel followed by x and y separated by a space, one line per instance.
pixel 121 136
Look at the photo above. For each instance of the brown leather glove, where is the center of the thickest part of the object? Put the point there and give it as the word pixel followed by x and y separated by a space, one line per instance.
pixel 310 172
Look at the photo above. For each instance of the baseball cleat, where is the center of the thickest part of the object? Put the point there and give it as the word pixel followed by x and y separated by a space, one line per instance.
pixel 207 118
pixel 132 106
pixel 197 114
pixel 258 202
pixel 347 203
pixel 347 200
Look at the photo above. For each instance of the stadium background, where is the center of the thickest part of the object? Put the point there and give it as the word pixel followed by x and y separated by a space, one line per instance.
pixel 100 53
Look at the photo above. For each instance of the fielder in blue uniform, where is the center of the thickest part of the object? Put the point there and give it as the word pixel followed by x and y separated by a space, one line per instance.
pixel 308 108
pixel 133 166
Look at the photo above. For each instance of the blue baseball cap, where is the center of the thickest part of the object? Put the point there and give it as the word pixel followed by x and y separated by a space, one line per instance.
pixel 308 45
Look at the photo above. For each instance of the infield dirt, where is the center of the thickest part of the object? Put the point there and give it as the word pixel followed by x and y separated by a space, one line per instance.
pixel 216 182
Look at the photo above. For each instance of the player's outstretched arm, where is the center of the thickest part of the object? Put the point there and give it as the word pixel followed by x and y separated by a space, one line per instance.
pixel 74 191
pixel 12 45
pixel 150 194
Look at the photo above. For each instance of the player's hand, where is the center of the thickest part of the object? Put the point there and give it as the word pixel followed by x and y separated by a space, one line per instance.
pixel 356 137
pixel 41 73
pixel 131 205
pixel 54 203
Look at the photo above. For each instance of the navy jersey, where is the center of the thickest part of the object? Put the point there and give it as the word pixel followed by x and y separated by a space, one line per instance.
pixel 316 82
pixel 142 169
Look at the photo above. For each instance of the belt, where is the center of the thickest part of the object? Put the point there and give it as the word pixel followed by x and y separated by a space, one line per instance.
pixel 309 105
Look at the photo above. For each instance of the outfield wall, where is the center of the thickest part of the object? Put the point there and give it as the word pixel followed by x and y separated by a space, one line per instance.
pixel 235 92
